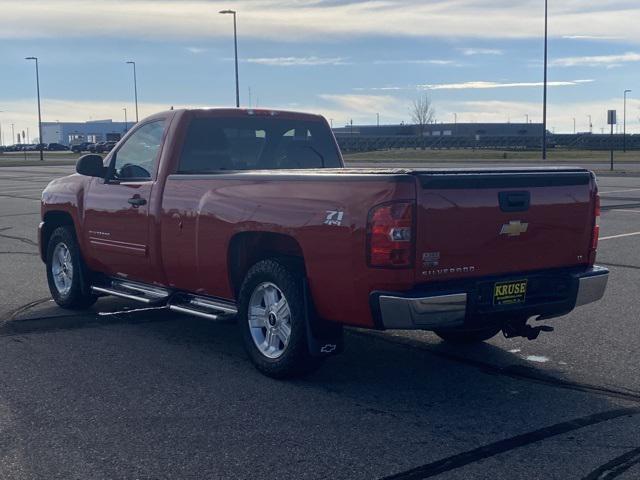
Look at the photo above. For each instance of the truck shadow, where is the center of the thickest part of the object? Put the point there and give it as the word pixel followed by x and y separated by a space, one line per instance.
pixel 381 407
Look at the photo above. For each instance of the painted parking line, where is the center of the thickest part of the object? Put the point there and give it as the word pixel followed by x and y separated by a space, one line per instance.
pixel 620 191
pixel 633 234
pixel 623 210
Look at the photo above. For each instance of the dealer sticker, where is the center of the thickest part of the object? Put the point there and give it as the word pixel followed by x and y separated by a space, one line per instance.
pixel 510 293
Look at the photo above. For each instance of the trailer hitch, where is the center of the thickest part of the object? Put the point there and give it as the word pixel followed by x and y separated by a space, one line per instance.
pixel 520 328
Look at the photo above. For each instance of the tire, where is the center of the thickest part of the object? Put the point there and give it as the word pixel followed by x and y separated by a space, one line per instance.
pixel 66 272
pixel 468 337
pixel 273 293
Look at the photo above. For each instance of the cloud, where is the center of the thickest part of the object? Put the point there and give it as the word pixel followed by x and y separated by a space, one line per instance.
pixel 590 37
pixel 560 114
pixel 480 85
pixel 415 62
pixel 196 50
pixel 481 51
pixel 297 20
pixel 597 60
pixel 361 103
pixel 297 61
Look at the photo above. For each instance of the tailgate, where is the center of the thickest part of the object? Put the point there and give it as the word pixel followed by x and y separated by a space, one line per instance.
pixel 472 224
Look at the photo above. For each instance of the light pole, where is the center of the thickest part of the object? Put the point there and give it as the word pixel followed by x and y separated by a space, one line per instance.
pixel 40 144
pixel 624 122
pixel 1 134
pixel 526 115
pixel 135 86
pixel 574 125
pixel 126 125
pixel 544 95
pixel 235 45
pixel 590 124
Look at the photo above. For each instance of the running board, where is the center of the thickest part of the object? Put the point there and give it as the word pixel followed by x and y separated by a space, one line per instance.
pixel 134 291
pixel 204 307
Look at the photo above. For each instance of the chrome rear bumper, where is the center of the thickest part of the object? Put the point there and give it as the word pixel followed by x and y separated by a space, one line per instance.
pixel 591 287
pixel 423 313
pixel 403 311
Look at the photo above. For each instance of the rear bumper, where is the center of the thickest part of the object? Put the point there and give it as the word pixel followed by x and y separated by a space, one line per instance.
pixel 465 304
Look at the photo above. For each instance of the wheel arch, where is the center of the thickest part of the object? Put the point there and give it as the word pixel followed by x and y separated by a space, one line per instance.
pixel 248 248
pixel 52 220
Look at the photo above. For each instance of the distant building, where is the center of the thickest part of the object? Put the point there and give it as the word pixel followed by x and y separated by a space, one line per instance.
pixel 474 130
pixel 70 133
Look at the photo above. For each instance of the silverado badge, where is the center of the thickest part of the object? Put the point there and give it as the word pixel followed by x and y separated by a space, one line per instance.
pixel 514 228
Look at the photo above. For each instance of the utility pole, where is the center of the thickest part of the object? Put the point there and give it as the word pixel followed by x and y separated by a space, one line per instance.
pixel 611 120
pixel 624 121
pixel 590 124
pixel 235 45
pixel 544 95
pixel 135 87
pixel 40 140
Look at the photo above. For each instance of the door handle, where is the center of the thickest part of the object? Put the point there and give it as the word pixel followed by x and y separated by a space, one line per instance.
pixel 137 201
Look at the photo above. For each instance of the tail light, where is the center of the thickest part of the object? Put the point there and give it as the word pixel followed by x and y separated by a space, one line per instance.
pixel 390 235
pixel 595 234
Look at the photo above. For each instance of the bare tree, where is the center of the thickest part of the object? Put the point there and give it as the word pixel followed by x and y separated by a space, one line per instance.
pixel 422 113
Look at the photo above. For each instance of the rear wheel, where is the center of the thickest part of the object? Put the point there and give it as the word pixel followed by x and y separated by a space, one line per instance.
pixel 66 272
pixel 461 336
pixel 272 320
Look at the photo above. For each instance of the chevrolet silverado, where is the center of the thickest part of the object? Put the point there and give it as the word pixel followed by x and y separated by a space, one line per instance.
pixel 251 214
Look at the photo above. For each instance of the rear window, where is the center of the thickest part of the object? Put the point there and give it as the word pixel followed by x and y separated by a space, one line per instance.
pixel 214 144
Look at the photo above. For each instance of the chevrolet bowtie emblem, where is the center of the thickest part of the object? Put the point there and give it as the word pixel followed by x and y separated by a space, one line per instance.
pixel 514 228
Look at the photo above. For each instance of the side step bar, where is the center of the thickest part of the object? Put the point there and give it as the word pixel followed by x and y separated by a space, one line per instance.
pixel 134 291
pixel 212 309
pixel 204 307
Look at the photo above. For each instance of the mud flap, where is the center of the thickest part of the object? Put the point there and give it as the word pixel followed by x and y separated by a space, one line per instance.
pixel 323 338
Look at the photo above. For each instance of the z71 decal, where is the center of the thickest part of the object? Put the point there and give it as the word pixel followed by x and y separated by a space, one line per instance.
pixel 334 217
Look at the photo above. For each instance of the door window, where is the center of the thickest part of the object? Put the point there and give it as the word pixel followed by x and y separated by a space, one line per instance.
pixel 136 159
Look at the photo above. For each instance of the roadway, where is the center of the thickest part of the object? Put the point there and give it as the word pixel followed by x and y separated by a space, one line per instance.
pixel 119 392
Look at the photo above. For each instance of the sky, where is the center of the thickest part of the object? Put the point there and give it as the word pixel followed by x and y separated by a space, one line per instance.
pixel 348 60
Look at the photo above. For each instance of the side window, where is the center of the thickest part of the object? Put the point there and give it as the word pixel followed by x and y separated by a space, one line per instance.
pixel 136 159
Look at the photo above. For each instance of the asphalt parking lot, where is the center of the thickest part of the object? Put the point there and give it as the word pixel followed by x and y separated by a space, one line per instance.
pixel 124 392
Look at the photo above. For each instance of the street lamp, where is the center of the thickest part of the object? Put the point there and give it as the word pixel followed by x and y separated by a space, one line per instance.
pixel 135 86
pixel 590 124
pixel 574 125
pixel 39 111
pixel 126 125
pixel 235 45
pixel 544 95
pixel 624 121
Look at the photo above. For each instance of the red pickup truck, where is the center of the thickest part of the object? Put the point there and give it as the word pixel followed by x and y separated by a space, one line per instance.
pixel 251 213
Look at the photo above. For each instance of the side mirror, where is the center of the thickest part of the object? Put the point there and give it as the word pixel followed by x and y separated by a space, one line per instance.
pixel 91 166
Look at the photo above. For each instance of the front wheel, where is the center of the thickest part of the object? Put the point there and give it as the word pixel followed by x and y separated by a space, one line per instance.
pixel 66 272
pixel 272 320
pixel 461 336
